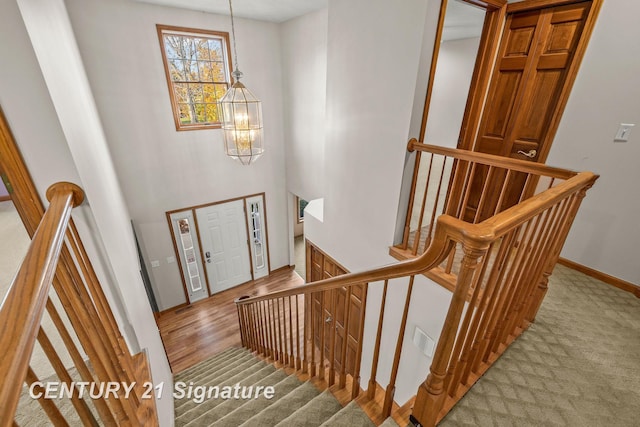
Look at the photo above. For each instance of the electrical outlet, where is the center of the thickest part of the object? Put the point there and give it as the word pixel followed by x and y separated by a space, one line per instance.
pixel 424 342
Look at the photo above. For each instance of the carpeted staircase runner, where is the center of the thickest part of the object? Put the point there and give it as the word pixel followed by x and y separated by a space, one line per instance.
pixel 294 403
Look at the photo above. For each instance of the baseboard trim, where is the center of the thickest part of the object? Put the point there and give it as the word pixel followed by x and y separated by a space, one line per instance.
pixel 613 281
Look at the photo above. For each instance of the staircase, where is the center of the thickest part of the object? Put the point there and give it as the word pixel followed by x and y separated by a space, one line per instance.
pixel 294 402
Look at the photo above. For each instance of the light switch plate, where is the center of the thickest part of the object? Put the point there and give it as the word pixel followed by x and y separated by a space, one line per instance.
pixel 155 263
pixel 171 259
pixel 623 132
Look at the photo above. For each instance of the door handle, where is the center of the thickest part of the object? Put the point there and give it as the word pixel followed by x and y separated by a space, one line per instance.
pixel 531 154
pixel 208 256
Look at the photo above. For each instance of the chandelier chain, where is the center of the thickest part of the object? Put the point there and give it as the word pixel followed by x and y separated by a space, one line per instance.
pixel 233 36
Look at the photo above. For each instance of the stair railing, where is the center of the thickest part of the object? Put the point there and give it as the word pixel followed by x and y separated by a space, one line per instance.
pixel 467 185
pixel 498 277
pixel 57 256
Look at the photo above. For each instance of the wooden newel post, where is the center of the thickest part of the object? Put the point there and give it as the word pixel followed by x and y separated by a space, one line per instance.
pixel 431 394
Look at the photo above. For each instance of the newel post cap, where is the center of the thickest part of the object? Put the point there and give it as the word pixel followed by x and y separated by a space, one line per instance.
pixel 63 188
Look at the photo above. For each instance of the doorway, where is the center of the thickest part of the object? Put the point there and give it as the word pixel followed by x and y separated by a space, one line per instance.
pixel 220 245
pixel 528 57
pixel 299 204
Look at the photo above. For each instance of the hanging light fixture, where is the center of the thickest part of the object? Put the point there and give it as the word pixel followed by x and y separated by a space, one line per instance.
pixel 241 116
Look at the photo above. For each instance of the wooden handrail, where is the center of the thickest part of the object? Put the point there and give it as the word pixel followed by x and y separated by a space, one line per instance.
pixel 25 301
pixel 501 279
pixel 448 231
pixel 446 235
pixel 504 221
pixel 493 160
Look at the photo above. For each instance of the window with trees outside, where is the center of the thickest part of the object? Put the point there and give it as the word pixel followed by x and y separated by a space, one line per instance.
pixel 197 64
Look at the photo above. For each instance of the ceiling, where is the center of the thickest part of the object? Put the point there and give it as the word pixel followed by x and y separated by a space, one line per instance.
pixel 462 19
pixel 263 10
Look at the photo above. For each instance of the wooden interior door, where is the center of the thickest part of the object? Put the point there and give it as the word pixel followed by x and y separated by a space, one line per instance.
pixel 528 90
pixel 321 266
pixel 537 50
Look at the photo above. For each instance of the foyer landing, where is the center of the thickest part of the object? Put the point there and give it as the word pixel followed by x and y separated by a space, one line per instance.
pixel 196 332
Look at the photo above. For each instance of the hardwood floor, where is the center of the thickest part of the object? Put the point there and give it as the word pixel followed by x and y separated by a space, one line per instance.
pixel 195 332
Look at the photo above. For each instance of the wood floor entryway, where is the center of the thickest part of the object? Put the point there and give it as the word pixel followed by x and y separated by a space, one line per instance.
pixel 195 332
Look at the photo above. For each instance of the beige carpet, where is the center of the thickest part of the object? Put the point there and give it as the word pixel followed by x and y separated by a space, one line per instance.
pixel 293 404
pixel 578 365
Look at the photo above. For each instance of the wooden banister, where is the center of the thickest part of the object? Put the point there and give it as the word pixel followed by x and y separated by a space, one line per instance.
pixel 498 278
pixel 57 261
pixel 447 233
pixel 492 160
pixel 26 299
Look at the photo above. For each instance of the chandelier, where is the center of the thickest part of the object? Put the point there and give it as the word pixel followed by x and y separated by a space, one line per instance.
pixel 241 116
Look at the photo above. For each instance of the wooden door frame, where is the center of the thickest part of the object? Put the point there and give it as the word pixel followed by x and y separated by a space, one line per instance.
pixel 492 27
pixel 485 58
pixel 197 228
pixel 479 90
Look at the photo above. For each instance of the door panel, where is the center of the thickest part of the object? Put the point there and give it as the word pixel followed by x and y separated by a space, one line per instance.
pixel 530 75
pixel 524 98
pixel 224 244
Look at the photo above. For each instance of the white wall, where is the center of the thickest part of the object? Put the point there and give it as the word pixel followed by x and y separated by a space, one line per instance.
pixel 161 169
pixel 372 64
pixel 304 67
pixel 43 141
pixel 456 60
pixel 606 93
pixel 373 58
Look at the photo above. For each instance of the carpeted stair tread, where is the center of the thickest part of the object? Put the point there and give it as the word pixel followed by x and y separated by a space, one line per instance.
pixel 389 422
pixel 349 416
pixel 213 367
pixel 249 409
pixel 294 403
pixel 315 412
pixel 246 378
pixel 276 412
pixel 208 363
pixel 222 368
pixel 225 371
pixel 231 377
pixel 221 410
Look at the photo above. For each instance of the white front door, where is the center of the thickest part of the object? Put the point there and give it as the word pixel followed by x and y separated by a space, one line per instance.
pixel 186 238
pixel 223 235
